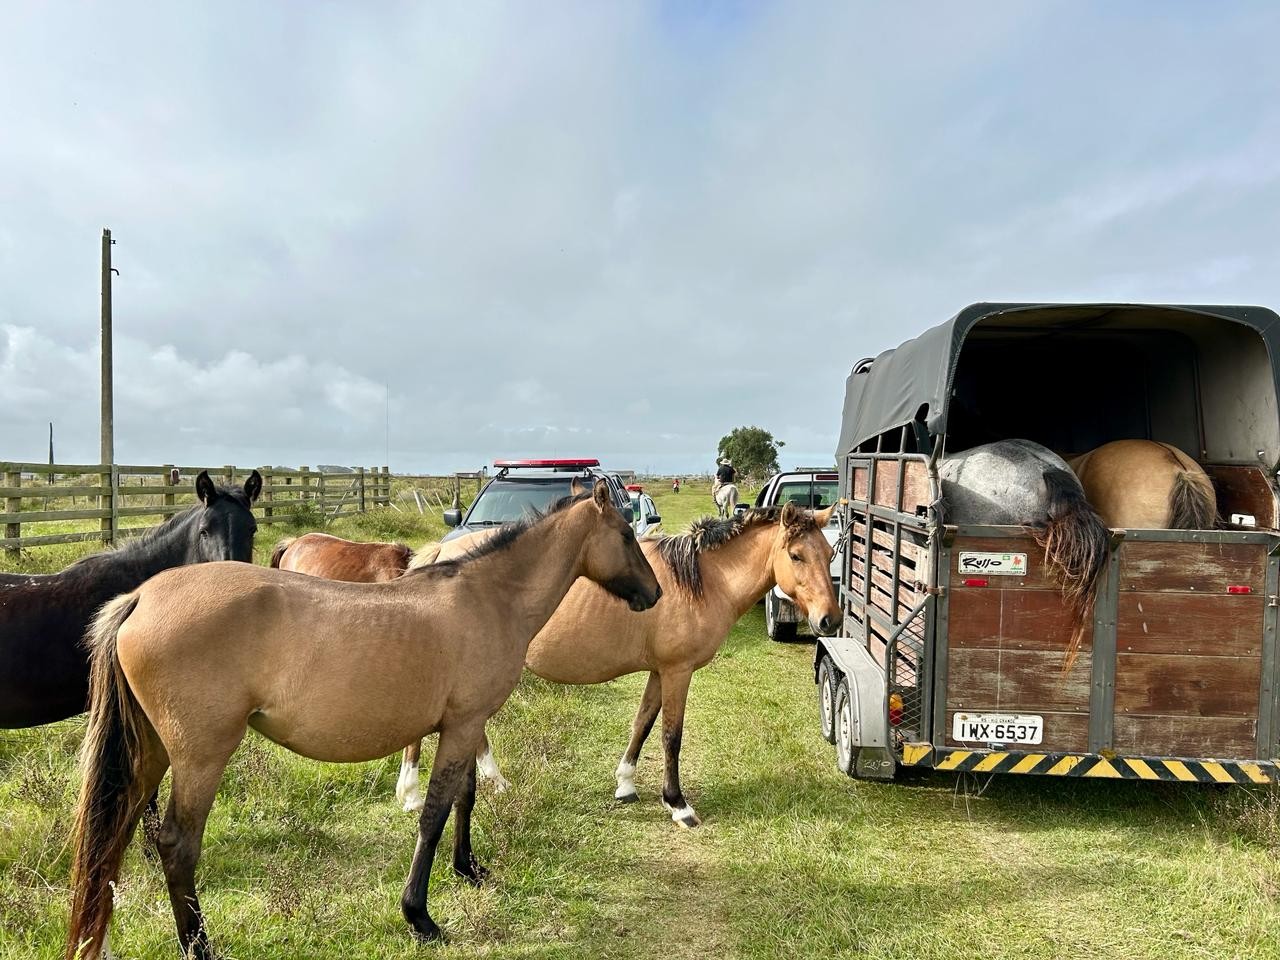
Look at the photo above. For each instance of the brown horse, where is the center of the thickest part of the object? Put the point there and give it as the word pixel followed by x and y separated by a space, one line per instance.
pixel 1143 484
pixel 710 576
pixel 322 555
pixel 343 672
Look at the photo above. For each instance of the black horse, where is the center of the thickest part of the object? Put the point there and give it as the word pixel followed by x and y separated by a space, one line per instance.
pixel 44 672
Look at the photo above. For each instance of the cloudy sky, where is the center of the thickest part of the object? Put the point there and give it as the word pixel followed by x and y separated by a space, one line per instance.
pixel 601 228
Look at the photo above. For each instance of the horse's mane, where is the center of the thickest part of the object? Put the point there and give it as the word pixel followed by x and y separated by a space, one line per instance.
pixel 504 537
pixel 132 545
pixel 681 552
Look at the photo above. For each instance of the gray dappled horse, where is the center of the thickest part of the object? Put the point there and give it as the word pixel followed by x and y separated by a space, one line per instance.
pixel 1020 483
pixel 726 498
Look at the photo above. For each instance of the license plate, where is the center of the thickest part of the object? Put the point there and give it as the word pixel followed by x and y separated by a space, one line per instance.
pixel 997 728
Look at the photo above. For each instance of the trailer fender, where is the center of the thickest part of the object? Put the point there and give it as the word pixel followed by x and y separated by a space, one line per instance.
pixel 866 682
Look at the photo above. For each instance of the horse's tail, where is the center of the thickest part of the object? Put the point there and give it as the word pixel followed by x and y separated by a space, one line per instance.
pixel 424 556
pixel 111 792
pixel 1074 540
pixel 1193 505
pixel 277 554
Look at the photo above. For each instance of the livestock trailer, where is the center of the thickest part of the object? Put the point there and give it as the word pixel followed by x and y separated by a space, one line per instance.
pixel 952 648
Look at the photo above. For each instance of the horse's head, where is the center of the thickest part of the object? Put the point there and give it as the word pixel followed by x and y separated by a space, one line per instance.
pixel 802 566
pixel 612 557
pixel 225 525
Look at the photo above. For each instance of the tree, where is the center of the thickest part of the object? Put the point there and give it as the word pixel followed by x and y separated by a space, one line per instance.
pixel 753 450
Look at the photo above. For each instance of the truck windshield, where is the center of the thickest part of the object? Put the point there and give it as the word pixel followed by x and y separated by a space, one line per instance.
pixel 810 494
pixel 507 499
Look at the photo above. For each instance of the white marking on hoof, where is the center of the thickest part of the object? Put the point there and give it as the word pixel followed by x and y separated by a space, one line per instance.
pixel 407 787
pixel 625 775
pixel 487 767
pixel 683 816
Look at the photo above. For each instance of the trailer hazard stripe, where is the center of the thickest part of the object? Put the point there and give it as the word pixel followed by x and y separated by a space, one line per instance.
pixel 1092 765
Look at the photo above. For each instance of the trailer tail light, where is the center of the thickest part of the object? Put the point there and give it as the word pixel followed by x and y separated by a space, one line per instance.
pixel 895 709
pixel 1240 589
pixel 975 581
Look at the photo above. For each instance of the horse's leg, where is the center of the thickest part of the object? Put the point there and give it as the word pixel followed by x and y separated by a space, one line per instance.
pixel 407 789
pixel 193 787
pixel 464 861
pixel 675 690
pixel 455 755
pixel 646 713
pixel 488 767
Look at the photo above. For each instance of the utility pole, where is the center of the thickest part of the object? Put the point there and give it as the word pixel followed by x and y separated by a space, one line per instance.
pixel 50 451
pixel 107 430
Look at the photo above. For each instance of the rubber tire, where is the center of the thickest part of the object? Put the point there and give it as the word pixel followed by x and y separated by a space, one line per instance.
pixel 778 632
pixel 846 755
pixel 827 699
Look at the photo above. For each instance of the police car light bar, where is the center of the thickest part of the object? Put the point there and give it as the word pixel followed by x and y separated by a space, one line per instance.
pixel 570 463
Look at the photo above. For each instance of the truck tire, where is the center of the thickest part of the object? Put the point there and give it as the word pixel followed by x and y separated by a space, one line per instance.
pixel 827 699
pixel 846 752
pixel 780 632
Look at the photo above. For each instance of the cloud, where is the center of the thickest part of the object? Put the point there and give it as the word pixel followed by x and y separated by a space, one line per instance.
pixel 628 227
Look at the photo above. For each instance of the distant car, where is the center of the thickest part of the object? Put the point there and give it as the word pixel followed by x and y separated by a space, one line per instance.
pixel 814 488
pixel 646 513
pixel 521 487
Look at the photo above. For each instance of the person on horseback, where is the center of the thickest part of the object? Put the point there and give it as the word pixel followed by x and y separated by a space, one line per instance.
pixel 724 474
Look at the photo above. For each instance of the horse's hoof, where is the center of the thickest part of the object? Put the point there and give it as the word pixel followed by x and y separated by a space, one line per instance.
pixel 501 784
pixel 631 797
pixel 414 803
pixel 683 816
pixel 472 872
pixel 428 932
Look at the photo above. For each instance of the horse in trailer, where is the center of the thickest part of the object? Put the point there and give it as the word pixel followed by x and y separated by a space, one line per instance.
pixel 44 669
pixel 1020 483
pixel 1143 484
pixel 323 555
pixel 185 664
pixel 710 577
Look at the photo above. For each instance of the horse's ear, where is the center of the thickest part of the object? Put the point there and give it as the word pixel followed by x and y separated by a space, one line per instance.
pixel 791 514
pixel 601 495
pixel 206 492
pixel 823 517
pixel 253 486
pixel 576 489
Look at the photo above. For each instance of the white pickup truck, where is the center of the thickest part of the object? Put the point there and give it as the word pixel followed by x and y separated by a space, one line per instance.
pixel 814 488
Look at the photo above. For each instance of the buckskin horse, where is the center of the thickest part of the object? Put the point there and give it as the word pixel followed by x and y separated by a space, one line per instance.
pixel 1143 484
pixel 44 669
pixel 342 672
pixel 710 577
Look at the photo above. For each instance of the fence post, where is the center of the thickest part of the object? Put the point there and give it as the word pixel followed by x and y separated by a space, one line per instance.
pixel 107 502
pixel 268 482
pixel 320 491
pixel 304 481
pixel 360 480
pixel 229 472
pixel 167 480
pixel 386 486
pixel 13 478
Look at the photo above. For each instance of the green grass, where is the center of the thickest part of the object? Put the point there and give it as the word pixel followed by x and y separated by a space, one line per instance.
pixel 306 860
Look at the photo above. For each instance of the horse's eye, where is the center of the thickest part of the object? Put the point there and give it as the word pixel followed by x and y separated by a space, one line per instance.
pixel 204 534
pixel 796 558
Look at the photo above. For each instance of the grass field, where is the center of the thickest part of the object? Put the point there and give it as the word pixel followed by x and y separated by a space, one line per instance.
pixel 306 860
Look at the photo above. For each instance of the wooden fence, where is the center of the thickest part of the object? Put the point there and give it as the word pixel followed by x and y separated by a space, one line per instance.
pixel 39 495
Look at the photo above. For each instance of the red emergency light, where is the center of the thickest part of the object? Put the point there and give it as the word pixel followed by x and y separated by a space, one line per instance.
pixel 635 488
pixel 563 463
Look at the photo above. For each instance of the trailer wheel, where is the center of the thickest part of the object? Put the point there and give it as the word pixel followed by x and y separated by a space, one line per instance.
pixel 781 632
pixel 827 699
pixel 846 753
